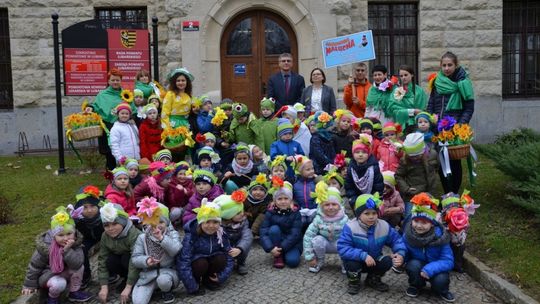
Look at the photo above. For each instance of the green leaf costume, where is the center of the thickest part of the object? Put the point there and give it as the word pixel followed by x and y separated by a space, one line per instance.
pixel 414 99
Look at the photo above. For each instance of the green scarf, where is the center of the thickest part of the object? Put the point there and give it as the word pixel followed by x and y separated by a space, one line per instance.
pixel 460 91
pixel 378 99
pixel 106 101
pixel 415 98
pixel 147 89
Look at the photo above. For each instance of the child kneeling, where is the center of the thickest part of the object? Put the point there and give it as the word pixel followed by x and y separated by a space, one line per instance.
pixel 57 261
pixel 429 256
pixel 322 234
pixel 360 245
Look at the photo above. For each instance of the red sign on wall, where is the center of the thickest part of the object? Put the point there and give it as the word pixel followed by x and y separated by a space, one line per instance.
pixel 190 26
pixel 128 52
pixel 85 71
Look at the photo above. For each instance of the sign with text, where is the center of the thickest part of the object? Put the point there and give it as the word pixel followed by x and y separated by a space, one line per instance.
pixel 85 71
pixel 129 52
pixel 190 26
pixel 239 69
pixel 348 49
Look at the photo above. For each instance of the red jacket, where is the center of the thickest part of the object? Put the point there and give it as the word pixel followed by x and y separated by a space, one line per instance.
pixel 121 198
pixel 388 154
pixel 392 199
pixel 179 198
pixel 150 138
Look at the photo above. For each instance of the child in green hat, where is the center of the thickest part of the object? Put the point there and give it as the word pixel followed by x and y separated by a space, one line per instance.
pixel 266 125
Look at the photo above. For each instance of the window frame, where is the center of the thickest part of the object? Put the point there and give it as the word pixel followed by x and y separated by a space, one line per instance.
pixel 143 20
pixel 6 79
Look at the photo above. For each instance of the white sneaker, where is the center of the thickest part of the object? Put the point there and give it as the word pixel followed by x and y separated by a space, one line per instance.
pixel 315 268
pixel 343 271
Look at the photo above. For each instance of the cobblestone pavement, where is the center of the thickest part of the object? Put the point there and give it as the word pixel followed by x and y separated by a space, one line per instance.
pixel 265 284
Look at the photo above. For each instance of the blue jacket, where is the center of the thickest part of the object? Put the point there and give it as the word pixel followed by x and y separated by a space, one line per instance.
pixel 195 246
pixel 321 151
pixel 357 241
pixel 204 122
pixel 302 190
pixel 291 230
pixel 438 258
pixel 290 148
pixel 351 191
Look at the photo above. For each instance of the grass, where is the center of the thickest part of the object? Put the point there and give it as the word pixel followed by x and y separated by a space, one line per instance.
pixel 502 235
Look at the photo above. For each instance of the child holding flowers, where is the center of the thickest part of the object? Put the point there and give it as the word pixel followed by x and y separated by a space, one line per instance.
pixel 321 148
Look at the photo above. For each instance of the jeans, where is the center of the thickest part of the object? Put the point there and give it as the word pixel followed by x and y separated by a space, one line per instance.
pixel 382 265
pixel 439 282
pixel 291 257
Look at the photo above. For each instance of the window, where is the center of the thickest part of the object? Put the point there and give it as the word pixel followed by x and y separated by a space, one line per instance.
pixel 240 39
pixel 521 48
pixel 6 83
pixel 132 14
pixel 276 38
pixel 395 34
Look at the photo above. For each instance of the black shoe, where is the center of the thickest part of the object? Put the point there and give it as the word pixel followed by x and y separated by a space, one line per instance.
pixel 354 282
pixel 374 281
pixel 448 297
pixel 412 292
pixel 212 285
pixel 242 269
pixel 167 297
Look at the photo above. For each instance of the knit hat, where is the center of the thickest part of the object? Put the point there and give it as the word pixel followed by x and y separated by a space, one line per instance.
pixel 204 176
pixel 129 163
pixel 339 113
pixel 299 107
pixel 160 171
pixel 179 166
pixel 333 173
pixel 149 108
pixel 425 115
pixel 242 148
pixel 280 187
pixel 322 120
pixel 290 111
pixel 450 200
pixel 309 119
pixel 284 127
pixel 259 181
pixel 144 164
pixel 366 123
pixel 182 71
pixel 88 195
pixel 414 144
pixel 202 138
pixel 151 212
pixel 389 178
pixel 279 160
pixel 205 99
pixel 366 201
pixel 239 110
pixel 113 213
pixel 138 92
pixel 424 212
pixel 122 106
pixel 324 194
pixel 377 126
pixel 226 104
pixel 62 221
pixel 300 161
pixel 154 96
pixel 165 153
pixel 208 211
pixel 363 143
pixel 390 127
pixel 268 103
pixel 425 199
pixel 208 153
pixel 231 205
pixel 118 171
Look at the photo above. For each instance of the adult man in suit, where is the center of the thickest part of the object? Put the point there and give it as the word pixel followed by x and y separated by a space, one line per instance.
pixel 285 86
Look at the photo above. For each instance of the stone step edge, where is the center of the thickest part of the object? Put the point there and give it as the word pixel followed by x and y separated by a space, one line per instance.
pixel 504 290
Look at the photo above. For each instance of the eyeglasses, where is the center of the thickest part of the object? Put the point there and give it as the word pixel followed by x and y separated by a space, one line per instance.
pixel 286 60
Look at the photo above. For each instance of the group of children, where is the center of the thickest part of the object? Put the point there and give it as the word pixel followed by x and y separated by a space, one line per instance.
pixel 302 184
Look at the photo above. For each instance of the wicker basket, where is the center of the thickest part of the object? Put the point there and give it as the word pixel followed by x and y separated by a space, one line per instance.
pixel 459 152
pixel 86 133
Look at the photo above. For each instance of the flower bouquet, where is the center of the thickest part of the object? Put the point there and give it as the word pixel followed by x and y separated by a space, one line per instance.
pixel 177 139
pixel 456 214
pixel 456 136
pixel 84 125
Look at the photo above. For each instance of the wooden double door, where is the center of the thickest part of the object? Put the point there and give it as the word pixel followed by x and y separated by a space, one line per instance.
pixel 250 47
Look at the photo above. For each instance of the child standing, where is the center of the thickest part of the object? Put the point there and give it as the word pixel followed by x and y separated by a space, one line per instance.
pixel 204 258
pixel 429 256
pixel 367 127
pixel 205 187
pixel 155 185
pixel 239 173
pixel 389 149
pixel 154 253
pixel 281 230
pixel 242 126
pixel 361 242
pixel 259 158
pixel 393 207
pixel 266 126
pixel 342 132
pixel 138 100
pixel 236 227
pixel 363 173
pixel 424 124
pixel 303 187
pixel 204 117
pixel 322 234
pixel 150 132
pixel 124 135
pixel 57 261
pixel 119 191
pixel 257 201
pixel 321 147
pixel 286 145
pixel 115 251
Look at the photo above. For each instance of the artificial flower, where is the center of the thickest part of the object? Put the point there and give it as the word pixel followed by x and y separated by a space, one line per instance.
pixel 126 95
pixel 219 117
pixel 457 219
pixel 92 190
pixel 431 80
pixel 61 218
pixel 261 178
pixel 277 182
pixel 239 196
pixel 399 93
pixel 339 160
pixel 108 213
pixel 147 206
pixel 446 123
pixel 200 138
pixel 324 117
pixel 424 199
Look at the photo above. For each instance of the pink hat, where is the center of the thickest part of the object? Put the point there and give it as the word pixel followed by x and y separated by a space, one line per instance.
pixel 123 106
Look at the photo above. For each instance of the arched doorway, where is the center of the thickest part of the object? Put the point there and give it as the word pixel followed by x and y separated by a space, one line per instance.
pixel 250 47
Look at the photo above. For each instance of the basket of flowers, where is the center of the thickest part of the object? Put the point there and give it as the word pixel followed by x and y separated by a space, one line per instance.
pixel 176 139
pixel 456 136
pixel 83 126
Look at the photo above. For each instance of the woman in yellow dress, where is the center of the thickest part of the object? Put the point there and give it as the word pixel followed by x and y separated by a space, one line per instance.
pixel 177 101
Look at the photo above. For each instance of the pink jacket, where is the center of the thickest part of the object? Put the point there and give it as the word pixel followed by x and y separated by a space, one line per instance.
pixel 121 198
pixel 195 202
pixel 393 199
pixel 388 155
pixel 179 198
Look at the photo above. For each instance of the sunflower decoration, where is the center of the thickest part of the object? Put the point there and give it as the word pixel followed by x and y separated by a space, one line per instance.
pixel 173 137
pixel 126 95
pixel 219 117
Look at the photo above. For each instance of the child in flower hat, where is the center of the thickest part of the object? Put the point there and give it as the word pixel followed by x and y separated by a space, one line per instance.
pixel 236 226
pixel 393 206
pixel 205 187
pixel 342 131
pixel 429 256
pixel 154 253
pixel 322 234
pixel 257 201
pixel 204 259
pixel 321 148
pixel 58 261
pixel 389 151
pixel 361 242
pixel 285 145
pixel 157 184
pixel 181 188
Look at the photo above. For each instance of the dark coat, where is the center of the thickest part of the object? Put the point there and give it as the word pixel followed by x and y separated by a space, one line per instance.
pixel 276 89
pixel 302 190
pixel 321 152
pixel 328 99
pixel 290 226
pixel 352 192
pixel 239 237
pixel 342 141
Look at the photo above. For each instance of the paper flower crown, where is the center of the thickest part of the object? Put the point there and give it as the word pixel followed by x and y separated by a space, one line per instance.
pixel 150 210
pixel 260 180
pixel 324 194
pixel 279 161
pixel 62 221
pixel 110 211
pixel 208 211
pixel 89 191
